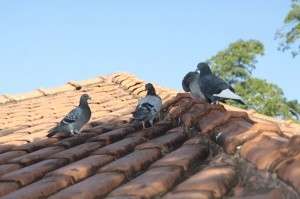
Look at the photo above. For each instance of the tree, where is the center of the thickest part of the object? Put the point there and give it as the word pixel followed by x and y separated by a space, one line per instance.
pixel 236 63
pixel 290 32
pixel 264 97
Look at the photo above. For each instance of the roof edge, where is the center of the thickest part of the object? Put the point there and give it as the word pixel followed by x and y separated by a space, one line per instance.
pixel 126 80
pixel 41 92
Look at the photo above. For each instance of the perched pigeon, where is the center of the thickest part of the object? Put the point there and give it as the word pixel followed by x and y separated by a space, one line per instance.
pixel 73 122
pixel 295 114
pixel 214 88
pixel 148 107
pixel 190 83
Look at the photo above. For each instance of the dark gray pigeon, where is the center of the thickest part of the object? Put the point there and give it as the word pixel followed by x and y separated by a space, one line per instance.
pixel 148 108
pixel 214 88
pixel 74 121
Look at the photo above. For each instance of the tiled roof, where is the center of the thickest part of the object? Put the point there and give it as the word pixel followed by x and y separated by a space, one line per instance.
pixel 227 152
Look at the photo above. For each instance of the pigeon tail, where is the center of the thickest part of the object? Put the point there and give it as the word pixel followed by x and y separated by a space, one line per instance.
pixel 55 130
pixel 228 94
pixel 141 113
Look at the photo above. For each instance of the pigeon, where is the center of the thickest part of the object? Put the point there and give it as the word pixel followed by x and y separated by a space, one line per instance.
pixel 148 108
pixel 73 122
pixel 190 83
pixel 214 88
pixel 295 114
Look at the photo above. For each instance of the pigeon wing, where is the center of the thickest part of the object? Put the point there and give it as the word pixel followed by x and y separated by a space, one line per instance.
pixel 211 85
pixel 72 116
pixel 228 94
pixel 63 126
pixel 157 103
pixel 217 89
pixel 149 105
pixel 140 102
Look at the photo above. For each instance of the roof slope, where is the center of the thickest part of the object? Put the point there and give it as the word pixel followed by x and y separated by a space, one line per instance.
pixel 228 152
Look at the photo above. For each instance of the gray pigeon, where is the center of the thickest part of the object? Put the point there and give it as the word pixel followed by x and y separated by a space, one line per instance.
pixel 73 122
pixel 214 88
pixel 190 83
pixel 148 108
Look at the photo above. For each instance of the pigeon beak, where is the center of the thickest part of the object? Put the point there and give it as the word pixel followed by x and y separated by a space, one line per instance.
pixel 89 98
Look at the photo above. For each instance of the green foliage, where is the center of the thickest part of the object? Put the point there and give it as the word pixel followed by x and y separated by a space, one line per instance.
pixel 294 13
pixel 294 106
pixel 290 32
pixel 236 63
pixel 264 97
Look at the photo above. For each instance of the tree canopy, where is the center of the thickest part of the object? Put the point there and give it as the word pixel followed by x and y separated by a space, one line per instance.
pixel 236 63
pixel 290 32
pixel 264 97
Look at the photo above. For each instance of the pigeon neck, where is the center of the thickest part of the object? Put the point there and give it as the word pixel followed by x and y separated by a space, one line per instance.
pixel 151 92
pixel 205 71
pixel 83 103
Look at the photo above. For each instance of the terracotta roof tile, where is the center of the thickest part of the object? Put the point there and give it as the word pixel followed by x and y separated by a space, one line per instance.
pixel 165 143
pixel 122 197
pixel 153 182
pixel 133 163
pixel 77 152
pixel 5 157
pixel 41 188
pixel 215 117
pixel 113 135
pixel 184 157
pixel 288 171
pixel 33 94
pixel 271 194
pixel 121 147
pixel 267 152
pixel 73 141
pixel 7 187
pixel 5 147
pixel 96 186
pixel 159 129
pixel 190 195
pixel 82 168
pixel 6 168
pixel 3 99
pixel 229 134
pixel 198 150
pixel 31 173
pixel 36 156
pixel 216 179
pixel 244 132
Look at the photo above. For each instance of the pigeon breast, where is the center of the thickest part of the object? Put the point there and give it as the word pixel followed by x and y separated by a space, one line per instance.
pixel 77 118
pixel 154 101
pixel 195 89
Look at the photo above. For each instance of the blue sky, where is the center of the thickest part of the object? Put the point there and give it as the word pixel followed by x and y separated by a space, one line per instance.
pixel 47 43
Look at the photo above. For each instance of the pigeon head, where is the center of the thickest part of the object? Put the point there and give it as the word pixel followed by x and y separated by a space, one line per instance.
pixel 203 68
pixel 188 78
pixel 150 89
pixel 84 99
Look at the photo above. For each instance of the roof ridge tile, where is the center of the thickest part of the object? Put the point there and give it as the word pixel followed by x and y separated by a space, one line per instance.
pixel 116 78
pixel 40 92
